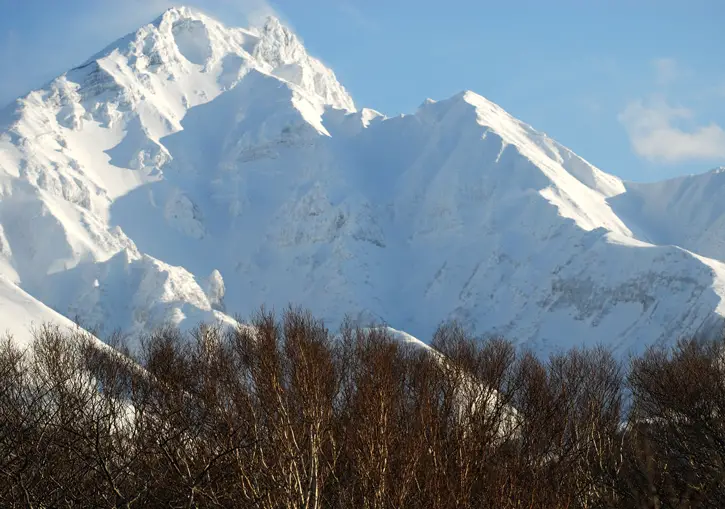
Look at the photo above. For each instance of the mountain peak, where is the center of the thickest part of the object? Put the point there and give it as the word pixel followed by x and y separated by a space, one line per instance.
pixel 273 29
pixel 189 148
pixel 286 57
pixel 273 23
pixel 185 45
pixel 181 11
pixel 182 14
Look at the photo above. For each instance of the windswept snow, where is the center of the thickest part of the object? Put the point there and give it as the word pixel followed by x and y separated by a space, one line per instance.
pixel 191 169
pixel 685 211
pixel 22 314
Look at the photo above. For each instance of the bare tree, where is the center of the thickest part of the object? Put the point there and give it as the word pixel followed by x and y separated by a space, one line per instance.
pixel 283 413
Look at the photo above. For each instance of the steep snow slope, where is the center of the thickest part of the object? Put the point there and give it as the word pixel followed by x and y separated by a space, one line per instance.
pixel 685 211
pixel 133 293
pixel 67 152
pixel 192 168
pixel 20 314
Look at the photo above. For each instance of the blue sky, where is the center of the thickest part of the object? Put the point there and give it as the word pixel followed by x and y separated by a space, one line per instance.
pixel 637 87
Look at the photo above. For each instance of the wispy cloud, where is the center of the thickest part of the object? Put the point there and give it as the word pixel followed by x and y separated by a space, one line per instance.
pixel 11 82
pixel 663 133
pixel 117 17
pixel 589 104
pixel 656 132
pixel 667 70
pixel 354 13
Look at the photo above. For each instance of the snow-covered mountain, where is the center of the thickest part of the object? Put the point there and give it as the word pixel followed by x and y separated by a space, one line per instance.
pixel 192 170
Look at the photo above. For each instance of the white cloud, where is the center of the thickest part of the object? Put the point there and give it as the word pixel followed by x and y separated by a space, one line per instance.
pixel 655 131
